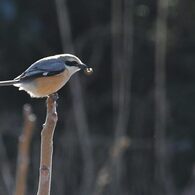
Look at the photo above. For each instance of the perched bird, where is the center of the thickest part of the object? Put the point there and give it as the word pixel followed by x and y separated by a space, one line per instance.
pixel 47 75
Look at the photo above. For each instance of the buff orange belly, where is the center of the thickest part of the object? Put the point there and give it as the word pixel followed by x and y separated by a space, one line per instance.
pixel 44 86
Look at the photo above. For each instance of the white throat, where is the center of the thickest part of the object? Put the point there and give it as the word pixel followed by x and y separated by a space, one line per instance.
pixel 72 69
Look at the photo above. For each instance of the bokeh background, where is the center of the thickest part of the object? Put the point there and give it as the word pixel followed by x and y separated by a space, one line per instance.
pixel 127 129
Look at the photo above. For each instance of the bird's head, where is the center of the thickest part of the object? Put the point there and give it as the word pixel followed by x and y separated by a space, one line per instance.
pixel 74 64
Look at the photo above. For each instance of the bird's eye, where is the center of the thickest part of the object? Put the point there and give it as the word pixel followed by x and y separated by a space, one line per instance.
pixel 71 63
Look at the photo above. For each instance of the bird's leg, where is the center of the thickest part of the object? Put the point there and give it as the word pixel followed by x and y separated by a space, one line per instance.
pixel 54 96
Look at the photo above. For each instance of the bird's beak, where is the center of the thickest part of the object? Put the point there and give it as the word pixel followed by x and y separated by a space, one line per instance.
pixel 82 66
pixel 87 70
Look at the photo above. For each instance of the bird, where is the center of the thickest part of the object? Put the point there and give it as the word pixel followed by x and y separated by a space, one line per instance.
pixel 47 75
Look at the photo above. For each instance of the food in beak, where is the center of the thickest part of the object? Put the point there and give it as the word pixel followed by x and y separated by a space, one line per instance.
pixel 88 71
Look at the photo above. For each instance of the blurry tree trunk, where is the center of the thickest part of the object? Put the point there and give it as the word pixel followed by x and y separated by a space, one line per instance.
pixel 47 133
pixel 162 177
pixel 122 49
pixel 78 103
pixel 23 150
pixel 122 63
pixel 106 173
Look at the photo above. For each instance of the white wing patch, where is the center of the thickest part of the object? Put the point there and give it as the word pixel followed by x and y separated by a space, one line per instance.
pixel 45 73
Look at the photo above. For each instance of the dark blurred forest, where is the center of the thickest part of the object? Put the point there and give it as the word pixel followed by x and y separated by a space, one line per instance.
pixel 127 129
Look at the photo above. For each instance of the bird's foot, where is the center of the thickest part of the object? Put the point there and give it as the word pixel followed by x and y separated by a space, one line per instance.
pixel 54 96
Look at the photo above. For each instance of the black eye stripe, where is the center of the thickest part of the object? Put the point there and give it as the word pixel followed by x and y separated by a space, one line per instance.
pixel 71 63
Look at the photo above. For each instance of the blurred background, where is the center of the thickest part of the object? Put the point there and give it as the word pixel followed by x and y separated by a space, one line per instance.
pixel 128 128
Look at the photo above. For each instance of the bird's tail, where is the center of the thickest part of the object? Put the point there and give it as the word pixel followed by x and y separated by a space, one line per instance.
pixel 9 82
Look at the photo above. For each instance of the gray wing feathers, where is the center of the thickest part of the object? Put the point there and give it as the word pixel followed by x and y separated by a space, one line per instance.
pixel 43 67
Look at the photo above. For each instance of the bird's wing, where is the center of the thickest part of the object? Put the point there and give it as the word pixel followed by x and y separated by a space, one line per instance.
pixel 45 67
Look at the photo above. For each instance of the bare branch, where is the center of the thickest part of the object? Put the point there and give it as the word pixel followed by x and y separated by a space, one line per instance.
pixel 78 102
pixel 105 174
pixel 47 146
pixel 122 37
pixel 122 26
pixel 23 150
pixel 164 184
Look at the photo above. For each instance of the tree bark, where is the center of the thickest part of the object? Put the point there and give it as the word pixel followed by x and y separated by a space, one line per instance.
pixel 47 147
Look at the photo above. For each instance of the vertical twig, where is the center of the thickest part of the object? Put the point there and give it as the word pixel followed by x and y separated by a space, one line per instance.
pixel 161 173
pixel 105 174
pixel 122 63
pixel 23 150
pixel 116 30
pixel 122 26
pixel 47 146
pixel 122 37
pixel 78 103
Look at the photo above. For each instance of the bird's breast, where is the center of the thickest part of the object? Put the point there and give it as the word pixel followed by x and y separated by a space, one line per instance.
pixel 44 86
